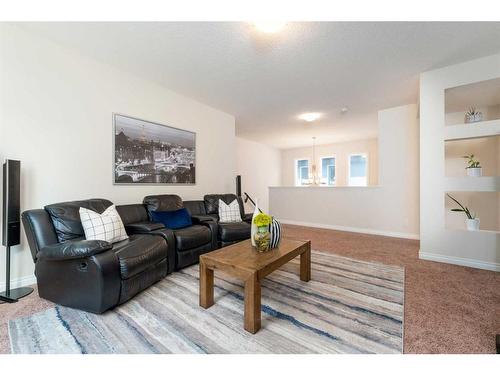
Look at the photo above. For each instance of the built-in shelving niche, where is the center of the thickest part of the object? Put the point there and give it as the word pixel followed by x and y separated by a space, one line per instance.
pixel 486 205
pixel 485 149
pixel 484 96
pixel 480 194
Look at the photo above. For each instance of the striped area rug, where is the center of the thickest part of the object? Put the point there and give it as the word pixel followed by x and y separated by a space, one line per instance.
pixel 349 306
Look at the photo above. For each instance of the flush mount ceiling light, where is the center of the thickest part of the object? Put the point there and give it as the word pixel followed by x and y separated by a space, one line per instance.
pixel 310 117
pixel 269 26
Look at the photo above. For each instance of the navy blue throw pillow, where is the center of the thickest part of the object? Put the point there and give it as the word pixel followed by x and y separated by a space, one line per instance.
pixel 173 219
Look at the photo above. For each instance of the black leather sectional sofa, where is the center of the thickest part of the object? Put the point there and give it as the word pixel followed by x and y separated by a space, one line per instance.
pixel 95 275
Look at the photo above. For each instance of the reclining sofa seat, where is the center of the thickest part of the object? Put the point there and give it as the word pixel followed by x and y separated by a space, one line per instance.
pixel 136 221
pixel 228 233
pixel 84 274
pixel 185 244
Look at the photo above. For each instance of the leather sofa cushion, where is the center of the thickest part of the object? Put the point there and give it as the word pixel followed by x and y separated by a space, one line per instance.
pixel 66 217
pixel 189 257
pixel 234 231
pixel 39 230
pixel 132 213
pixel 195 207
pixel 134 285
pixel 192 237
pixel 166 202
pixel 138 253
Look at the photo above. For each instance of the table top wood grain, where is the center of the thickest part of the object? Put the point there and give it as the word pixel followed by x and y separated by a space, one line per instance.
pixel 242 260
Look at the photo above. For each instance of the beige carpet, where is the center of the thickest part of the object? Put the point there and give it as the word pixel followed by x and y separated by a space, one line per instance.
pixel 448 309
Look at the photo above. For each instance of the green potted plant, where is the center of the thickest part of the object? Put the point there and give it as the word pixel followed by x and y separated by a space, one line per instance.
pixel 262 237
pixel 472 221
pixel 473 168
pixel 473 115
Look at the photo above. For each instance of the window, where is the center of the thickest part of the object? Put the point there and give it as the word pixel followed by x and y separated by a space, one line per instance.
pixel 302 172
pixel 358 170
pixel 328 171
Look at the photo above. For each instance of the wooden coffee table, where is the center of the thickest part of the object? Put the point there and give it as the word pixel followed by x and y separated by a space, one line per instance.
pixel 245 263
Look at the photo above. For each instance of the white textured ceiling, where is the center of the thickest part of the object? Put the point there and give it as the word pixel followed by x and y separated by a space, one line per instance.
pixel 266 80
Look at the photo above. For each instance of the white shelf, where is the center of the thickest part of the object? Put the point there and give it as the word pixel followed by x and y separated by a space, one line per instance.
pixel 472 183
pixel 477 232
pixel 474 130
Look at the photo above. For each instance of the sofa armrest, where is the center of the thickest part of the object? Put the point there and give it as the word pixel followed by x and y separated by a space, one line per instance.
pixel 169 236
pixel 90 284
pixel 198 219
pixel 73 250
pixel 143 227
pixel 214 229
pixel 248 218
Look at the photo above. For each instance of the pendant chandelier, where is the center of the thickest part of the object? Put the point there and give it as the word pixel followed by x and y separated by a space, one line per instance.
pixel 314 179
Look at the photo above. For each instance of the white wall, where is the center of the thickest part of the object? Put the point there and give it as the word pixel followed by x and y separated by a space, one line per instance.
pixel 341 151
pixel 56 117
pixel 391 208
pixel 259 167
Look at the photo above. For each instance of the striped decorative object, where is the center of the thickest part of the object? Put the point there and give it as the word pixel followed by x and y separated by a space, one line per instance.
pixel 275 233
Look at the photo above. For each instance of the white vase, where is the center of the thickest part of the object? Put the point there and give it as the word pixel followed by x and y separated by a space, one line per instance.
pixel 254 227
pixel 475 172
pixel 472 224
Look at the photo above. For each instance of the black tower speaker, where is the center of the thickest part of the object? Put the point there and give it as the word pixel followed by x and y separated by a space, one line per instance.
pixel 11 226
pixel 238 185
pixel 11 223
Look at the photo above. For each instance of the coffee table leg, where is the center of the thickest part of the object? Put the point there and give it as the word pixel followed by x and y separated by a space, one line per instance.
pixel 252 304
pixel 206 286
pixel 305 264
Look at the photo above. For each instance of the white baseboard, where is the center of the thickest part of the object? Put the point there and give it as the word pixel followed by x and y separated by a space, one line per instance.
pixel 377 232
pixel 467 262
pixel 17 283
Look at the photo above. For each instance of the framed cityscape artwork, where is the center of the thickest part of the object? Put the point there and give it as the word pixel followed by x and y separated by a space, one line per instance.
pixel 150 153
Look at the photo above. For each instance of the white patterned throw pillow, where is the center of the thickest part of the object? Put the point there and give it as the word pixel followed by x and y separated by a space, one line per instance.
pixel 229 213
pixel 107 226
